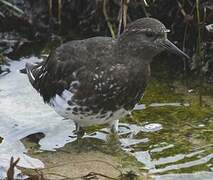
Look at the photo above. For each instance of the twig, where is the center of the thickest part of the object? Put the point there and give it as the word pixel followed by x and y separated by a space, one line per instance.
pixel 107 18
pixel 50 7
pixel 181 8
pixel 120 16
pixel 125 8
pixel 8 4
pixel 185 38
pixel 186 29
pixel 89 176
pixel 59 11
pixel 94 174
pixel 123 15
pixel 10 171
pixel 144 3
pixel 38 175
pixel 190 3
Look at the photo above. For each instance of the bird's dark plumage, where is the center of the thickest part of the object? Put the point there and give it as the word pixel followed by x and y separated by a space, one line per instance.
pixel 97 80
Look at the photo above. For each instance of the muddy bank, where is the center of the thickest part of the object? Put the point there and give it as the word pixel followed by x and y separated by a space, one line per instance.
pixel 75 161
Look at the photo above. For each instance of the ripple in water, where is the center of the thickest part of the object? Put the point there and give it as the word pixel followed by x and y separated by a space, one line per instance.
pixel 160 150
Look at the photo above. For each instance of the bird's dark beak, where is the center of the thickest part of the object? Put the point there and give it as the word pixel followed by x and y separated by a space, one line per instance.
pixel 168 45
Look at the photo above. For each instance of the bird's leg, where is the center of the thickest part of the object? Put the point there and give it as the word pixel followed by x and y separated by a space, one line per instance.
pixel 112 140
pixel 114 126
pixel 79 131
pixel 114 130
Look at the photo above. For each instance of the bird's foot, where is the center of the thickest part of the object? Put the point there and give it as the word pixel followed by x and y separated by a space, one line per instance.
pixel 112 143
pixel 79 131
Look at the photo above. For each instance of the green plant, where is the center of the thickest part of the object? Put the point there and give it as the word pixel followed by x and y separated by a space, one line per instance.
pixel 199 63
pixel 2 59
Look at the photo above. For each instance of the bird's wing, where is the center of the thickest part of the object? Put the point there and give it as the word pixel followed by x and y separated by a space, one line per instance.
pixel 54 75
pixel 69 63
pixel 112 88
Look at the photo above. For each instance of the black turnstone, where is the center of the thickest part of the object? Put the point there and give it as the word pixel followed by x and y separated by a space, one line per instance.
pixel 100 79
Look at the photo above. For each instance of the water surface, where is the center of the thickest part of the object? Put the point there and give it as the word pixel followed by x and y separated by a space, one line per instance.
pixel 170 139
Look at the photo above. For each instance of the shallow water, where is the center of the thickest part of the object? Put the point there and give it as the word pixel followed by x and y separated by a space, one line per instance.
pixel 170 148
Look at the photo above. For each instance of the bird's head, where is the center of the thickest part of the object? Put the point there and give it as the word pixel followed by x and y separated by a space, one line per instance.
pixel 147 37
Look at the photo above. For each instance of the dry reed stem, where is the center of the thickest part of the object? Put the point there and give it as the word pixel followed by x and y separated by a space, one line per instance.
pixel 105 2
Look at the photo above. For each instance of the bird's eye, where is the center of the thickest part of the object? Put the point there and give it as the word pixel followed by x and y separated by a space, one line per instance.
pixel 150 33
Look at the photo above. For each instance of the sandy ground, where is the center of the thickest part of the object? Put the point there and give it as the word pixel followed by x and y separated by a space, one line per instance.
pixel 76 161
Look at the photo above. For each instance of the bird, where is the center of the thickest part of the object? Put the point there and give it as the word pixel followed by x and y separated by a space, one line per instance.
pixel 100 79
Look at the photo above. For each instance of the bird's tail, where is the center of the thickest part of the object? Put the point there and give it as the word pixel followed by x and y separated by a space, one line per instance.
pixel 33 71
pixel 31 76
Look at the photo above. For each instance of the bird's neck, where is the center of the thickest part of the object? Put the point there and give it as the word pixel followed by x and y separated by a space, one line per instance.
pixel 133 50
pixel 137 64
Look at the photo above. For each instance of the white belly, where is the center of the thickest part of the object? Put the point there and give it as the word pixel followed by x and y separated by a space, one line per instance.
pixel 61 106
